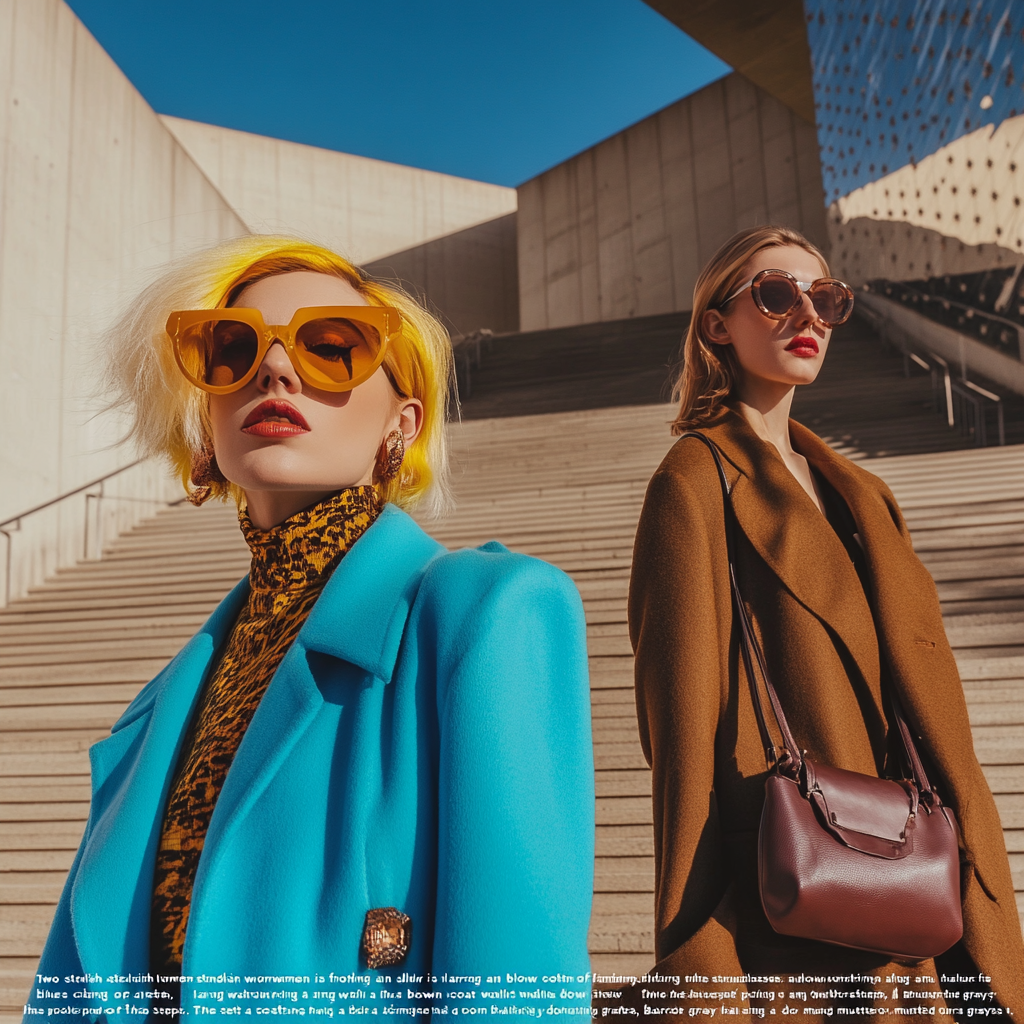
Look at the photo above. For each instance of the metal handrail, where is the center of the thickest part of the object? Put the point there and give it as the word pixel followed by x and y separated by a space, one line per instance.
pixel 947 385
pixel 13 524
pixel 980 435
pixel 964 391
pixel 70 494
pixel 954 391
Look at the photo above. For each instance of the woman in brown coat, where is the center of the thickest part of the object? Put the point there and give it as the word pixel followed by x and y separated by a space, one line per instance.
pixel 844 611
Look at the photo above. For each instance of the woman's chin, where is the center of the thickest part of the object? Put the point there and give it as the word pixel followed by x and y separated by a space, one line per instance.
pixel 770 382
pixel 801 371
pixel 810 377
pixel 281 471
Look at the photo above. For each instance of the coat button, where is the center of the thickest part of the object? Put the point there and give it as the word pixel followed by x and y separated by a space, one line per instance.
pixel 387 935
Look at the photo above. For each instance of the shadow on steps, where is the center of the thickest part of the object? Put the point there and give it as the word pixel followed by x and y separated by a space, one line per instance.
pixel 591 366
pixel 862 402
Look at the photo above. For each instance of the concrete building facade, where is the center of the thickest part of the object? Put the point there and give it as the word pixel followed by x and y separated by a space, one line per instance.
pixel 94 194
pixel 916 109
pixel 469 278
pixel 956 211
pixel 365 209
pixel 622 229
pixel 450 241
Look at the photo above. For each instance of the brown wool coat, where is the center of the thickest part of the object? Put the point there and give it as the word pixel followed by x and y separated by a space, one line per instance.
pixel 827 660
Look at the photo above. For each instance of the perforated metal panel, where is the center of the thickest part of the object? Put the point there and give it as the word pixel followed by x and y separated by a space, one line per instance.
pixel 895 81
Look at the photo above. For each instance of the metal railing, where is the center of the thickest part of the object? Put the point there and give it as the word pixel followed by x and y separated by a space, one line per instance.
pixel 969 397
pixel 94 492
pixel 964 402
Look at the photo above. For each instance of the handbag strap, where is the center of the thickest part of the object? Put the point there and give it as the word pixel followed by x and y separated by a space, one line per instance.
pixel 750 650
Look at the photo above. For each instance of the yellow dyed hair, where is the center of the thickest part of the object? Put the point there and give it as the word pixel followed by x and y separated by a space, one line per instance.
pixel 170 417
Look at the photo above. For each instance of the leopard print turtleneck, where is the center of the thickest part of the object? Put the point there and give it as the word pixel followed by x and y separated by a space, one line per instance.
pixel 290 565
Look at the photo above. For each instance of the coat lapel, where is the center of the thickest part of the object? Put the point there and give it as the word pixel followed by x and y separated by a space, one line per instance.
pixel 378 579
pixel 908 615
pixel 877 528
pixel 796 542
pixel 132 772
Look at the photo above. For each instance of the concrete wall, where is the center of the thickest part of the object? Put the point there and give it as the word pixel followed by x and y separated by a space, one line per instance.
pixel 364 208
pixel 94 194
pixel 470 277
pixel 622 229
pixel 958 210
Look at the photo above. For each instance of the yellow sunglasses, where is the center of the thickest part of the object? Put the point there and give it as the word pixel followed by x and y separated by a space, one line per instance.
pixel 334 348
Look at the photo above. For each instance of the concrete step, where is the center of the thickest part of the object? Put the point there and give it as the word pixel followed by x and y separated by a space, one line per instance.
pixel 565 487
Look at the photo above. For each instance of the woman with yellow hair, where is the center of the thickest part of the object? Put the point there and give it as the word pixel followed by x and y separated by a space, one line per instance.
pixel 374 758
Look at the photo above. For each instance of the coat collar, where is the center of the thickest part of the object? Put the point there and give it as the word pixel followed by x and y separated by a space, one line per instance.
pixel 790 534
pixel 903 595
pixel 379 576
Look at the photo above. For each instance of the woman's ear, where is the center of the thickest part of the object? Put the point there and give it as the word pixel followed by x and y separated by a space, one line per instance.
pixel 716 330
pixel 410 419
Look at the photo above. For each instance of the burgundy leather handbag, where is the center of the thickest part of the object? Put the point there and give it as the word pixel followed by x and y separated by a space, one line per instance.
pixel 847 858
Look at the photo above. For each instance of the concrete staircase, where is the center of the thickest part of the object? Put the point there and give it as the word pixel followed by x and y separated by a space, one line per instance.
pixel 566 487
pixel 563 369
pixel 862 398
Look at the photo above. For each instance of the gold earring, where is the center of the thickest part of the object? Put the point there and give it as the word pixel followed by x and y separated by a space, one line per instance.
pixel 390 456
pixel 203 474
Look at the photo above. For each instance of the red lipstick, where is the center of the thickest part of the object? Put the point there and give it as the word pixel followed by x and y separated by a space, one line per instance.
pixel 275 418
pixel 804 346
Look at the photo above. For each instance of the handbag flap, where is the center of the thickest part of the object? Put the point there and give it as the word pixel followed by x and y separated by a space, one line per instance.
pixel 861 803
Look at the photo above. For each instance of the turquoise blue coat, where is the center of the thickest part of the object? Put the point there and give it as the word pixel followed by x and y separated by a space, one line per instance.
pixel 425 744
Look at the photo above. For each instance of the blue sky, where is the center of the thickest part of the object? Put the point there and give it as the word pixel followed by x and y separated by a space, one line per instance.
pixel 497 90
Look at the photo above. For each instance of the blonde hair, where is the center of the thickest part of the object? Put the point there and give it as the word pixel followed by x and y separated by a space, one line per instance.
pixel 709 371
pixel 170 417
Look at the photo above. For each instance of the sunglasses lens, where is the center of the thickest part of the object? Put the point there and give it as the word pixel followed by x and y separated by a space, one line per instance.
pixel 219 352
pixel 235 345
pixel 335 350
pixel 832 302
pixel 778 294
